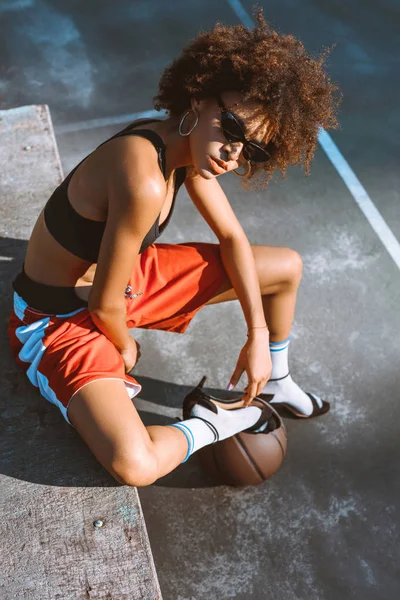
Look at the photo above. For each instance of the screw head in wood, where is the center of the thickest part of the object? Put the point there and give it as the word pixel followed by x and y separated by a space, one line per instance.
pixel 98 523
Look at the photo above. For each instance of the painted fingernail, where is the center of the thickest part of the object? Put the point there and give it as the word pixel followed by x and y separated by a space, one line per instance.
pixel 230 386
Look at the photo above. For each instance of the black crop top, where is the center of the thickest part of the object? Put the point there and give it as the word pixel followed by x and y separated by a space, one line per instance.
pixel 83 236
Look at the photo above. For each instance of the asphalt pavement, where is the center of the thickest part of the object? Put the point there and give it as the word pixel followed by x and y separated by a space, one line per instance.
pixel 326 526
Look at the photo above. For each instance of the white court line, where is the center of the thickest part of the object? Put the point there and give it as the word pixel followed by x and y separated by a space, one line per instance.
pixel 107 121
pixel 360 195
pixel 353 184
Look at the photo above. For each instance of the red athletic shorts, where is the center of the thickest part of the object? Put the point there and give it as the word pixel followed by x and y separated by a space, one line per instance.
pixel 62 353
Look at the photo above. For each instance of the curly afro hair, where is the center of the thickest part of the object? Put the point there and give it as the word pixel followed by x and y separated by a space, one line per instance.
pixel 264 66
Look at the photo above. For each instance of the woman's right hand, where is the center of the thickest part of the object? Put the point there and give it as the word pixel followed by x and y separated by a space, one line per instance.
pixel 131 354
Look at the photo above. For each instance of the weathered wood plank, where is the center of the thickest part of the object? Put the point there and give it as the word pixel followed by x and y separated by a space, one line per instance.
pixel 52 487
pixel 30 167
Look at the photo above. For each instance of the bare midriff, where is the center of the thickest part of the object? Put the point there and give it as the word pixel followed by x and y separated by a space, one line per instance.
pixel 50 263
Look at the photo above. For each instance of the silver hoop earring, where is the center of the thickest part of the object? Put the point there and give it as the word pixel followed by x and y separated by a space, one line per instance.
pixel 182 120
pixel 243 174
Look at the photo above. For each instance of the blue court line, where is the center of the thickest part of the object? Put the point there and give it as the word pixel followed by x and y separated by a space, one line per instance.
pixel 343 168
pixel 241 12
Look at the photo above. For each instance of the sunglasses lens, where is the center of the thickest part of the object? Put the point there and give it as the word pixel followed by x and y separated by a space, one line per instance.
pixel 255 153
pixel 231 127
pixel 233 132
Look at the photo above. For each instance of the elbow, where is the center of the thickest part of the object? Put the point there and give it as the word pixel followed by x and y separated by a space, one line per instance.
pixel 105 306
pixel 232 237
pixel 105 313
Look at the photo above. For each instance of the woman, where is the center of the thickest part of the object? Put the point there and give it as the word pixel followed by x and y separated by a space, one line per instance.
pixel 236 99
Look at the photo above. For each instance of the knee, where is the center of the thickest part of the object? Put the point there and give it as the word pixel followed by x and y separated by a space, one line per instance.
pixel 137 469
pixel 294 265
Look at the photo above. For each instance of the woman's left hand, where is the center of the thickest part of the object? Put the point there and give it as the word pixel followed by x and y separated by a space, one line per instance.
pixel 255 359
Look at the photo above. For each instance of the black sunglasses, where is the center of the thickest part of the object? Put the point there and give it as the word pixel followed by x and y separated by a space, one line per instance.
pixel 233 131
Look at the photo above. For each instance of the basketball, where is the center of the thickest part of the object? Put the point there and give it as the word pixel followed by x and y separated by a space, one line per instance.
pixel 245 458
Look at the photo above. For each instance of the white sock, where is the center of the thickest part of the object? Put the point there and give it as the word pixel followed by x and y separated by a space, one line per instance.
pixel 286 390
pixel 225 422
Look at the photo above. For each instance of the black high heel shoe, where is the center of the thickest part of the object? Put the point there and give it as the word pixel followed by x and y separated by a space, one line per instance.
pixel 285 409
pixel 268 417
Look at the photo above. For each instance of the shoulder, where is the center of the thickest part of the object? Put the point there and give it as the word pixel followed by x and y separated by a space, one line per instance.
pixel 120 167
pixel 131 161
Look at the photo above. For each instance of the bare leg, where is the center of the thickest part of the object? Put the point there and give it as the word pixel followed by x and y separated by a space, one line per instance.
pixel 139 455
pixel 279 273
pixel 108 422
pixel 279 309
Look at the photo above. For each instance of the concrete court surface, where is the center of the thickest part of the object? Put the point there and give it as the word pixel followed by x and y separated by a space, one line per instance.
pixel 326 526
